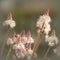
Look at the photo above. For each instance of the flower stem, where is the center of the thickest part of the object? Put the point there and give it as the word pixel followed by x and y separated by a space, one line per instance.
pixel 36 43
pixel 8 53
pixel 3 43
pixel 44 57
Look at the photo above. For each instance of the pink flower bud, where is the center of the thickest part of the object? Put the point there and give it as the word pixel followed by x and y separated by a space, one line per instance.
pixel 9 16
pixel 13 36
pixel 46 12
pixel 19 39
pixel 28 34
pixel 22 33
pixel 53 33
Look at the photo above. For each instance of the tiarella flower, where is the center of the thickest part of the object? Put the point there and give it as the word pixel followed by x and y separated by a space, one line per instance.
pixel 20 50
pixel 13 24
pixel 43 22
pixel 30 51
pixel 52 40
pixel 47 28
pixel 18 39
pixel 20 53
pixel 46 16
pixel 18 46
pixel 29 38
pixel 9 21
pixel 23 37
pixel 12 40
pixel 9 41
pixel 46 38
pixel 28 48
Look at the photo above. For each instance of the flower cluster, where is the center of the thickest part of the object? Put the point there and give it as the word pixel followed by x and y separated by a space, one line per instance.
pixel 9 22
pixel 43 22
pixel 21 43
pixel 52 39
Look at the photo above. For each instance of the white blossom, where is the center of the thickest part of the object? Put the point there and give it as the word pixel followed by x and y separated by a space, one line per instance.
pixel 12 39
pixel 9 41
pixel 21 44
pixel 43 22
pixel 20 50
pixel 29 38
pixel 23 40
pixel 13 24
pixel 52 40
pixel 20 53
pixel 47 28
pixel 30 51
pixel 9 22
pixel 46 38
pixel 23 37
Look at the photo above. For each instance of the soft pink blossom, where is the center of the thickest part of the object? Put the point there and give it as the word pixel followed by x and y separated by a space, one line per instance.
pixel 43 22
pixel 9 22
pixel 52 39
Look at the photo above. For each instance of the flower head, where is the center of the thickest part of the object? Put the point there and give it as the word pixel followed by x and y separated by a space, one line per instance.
pixel 9 21
pixel 43 22
pixel 52 39
pixel 12 40
pixel 29 38
pixel 19 39
pixel 23 37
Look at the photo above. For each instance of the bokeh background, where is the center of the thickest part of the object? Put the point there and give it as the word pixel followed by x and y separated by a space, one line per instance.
pixel 26 13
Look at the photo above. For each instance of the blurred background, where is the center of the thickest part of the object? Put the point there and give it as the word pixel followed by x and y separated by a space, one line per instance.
pixel 26 13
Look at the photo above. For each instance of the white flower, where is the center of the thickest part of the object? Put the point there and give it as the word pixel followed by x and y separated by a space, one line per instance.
pixel 20 53
pixel 43 23
pixel 29 38
pixel 13 39
pixel 20 50
pixel 19 46
pixel 18 35
pixel 9 21
pixel 16 46
pixel 32 40
pixel 47 18
pixel 30 51
pixel 23 37
pixel 9 41
pixel 13 24
pixel 46 38
pixel 52 40
pixel 24 40
pixel 47 28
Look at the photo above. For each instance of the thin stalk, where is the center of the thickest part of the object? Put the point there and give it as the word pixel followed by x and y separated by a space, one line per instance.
pixel 8 53
pixel 37 42
pixel 44 57
pixel 4 42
